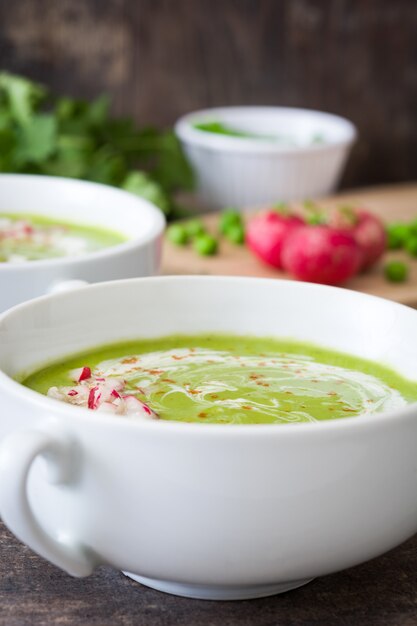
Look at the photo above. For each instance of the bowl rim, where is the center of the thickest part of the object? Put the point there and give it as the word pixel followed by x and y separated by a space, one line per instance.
pixel 245 145
pixel 80 415
pixel 155 230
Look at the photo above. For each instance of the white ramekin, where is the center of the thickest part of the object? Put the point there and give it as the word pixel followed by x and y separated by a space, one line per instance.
pixel 243 172
pixel 83 203
pixel 205 510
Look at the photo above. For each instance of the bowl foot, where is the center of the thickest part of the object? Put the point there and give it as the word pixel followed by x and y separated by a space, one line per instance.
pixel 213 592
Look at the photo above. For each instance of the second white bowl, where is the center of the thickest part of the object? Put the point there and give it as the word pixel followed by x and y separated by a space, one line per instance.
pixel 88 204
pixel 244 172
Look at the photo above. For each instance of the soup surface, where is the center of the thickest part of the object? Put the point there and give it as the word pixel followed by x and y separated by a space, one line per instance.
pixel 283 138
pixel 223 379
pixel 25 237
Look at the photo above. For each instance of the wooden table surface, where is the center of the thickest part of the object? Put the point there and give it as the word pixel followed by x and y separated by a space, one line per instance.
pixel 382 592
pixel 392 203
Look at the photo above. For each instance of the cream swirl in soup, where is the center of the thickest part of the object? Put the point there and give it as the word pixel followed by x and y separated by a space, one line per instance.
pixel 221 379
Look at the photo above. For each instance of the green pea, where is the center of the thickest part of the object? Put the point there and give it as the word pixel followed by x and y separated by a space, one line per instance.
pixel 229 218
pixel 194 228
pixel 235 233
pixel 411 245
pixel 396 271
pixel 397 235
pixel 177 234
pixel 205 244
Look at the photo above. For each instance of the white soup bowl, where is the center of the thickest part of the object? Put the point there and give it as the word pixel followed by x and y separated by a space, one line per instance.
pixel 205 510
pixel 246 172
pixel 86 204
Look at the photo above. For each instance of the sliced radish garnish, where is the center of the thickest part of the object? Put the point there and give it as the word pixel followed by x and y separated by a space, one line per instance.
pixel 92 402
pixel 80 373
pixel 134 406
pixel 101 393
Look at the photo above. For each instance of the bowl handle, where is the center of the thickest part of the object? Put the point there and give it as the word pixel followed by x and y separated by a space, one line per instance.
pixel 17 454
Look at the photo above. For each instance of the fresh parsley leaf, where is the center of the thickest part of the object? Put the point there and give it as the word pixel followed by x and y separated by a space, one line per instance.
pixel 36 140
pixel 70 137
pixel 141 184
pixel 22 95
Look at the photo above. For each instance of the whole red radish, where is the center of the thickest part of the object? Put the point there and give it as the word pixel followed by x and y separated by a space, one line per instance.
pixel 368 230
pixel 266 233
pixel 321 254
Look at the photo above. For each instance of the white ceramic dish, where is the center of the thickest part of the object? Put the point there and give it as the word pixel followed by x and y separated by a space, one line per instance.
pixel 242 172
pixel 83 203
pixel 208 511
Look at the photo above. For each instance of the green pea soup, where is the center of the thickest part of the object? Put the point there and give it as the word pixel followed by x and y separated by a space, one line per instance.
pixel 226 379
pixel 27 237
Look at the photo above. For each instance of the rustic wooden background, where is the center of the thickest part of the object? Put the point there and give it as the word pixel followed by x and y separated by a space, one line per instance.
pixel 161 58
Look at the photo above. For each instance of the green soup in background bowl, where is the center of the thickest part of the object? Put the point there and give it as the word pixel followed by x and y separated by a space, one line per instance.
pixel 27 237
pixel 210 510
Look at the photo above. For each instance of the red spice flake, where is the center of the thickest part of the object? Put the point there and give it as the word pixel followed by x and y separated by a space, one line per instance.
pixel 73 392
pixel 177 358
pixel 254 376
pixel 167 380
pixel 202 414
pixel 262 384
pixel 128 360
pixel 246 407
pixel 348 410
pixel 193 391
pixel 331 393
pixel 214 395
pixel 155 372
